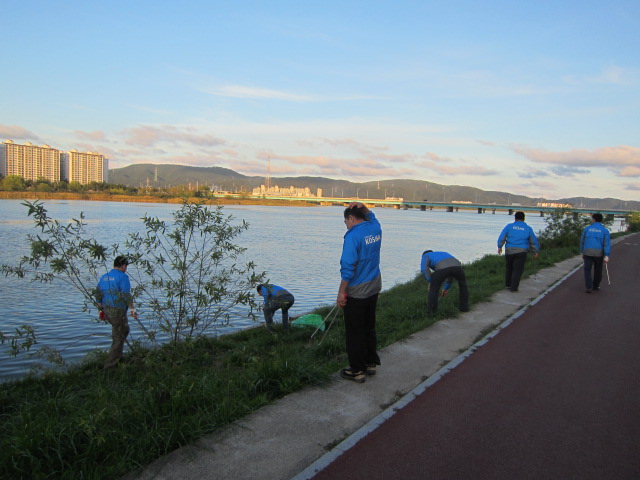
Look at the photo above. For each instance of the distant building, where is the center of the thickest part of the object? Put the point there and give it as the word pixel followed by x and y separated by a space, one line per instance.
pixel 276 191
pixel 554 205
pixel 30 161
pixel 85 167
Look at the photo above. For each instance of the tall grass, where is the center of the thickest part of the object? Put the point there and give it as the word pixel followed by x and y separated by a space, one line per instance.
pixel 90 423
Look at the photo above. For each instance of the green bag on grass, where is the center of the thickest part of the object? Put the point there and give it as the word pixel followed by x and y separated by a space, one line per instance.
pixel 309 320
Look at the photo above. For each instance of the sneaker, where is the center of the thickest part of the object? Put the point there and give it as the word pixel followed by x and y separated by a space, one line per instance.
pixel 589 290
pixel 595 289
pixel 371 369
pixel 356 376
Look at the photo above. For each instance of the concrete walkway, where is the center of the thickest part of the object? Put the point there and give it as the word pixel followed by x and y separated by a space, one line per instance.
pixel 282 440
pixel 555 394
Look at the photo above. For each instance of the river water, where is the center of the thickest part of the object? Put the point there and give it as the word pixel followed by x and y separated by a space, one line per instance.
pixel 298 247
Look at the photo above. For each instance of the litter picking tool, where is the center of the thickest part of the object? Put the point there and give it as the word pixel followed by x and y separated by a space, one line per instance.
pixel 606 267
pixel 332 314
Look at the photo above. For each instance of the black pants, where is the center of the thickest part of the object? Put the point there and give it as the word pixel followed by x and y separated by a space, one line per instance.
pixel 360 332
pixel 513 272
pixel 281 302
pixel 595 264
pixel 438 278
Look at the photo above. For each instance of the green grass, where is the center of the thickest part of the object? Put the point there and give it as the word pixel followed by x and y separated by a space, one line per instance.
pixel 89 423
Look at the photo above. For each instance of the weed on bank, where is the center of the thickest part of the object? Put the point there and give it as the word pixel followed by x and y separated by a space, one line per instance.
pixel 90 423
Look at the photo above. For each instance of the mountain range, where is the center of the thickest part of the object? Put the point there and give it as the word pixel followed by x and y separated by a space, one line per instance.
pixel 165 176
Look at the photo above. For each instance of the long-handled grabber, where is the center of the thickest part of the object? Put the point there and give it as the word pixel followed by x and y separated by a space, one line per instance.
pixel 332 314
pixel 606 267
pixel 335 314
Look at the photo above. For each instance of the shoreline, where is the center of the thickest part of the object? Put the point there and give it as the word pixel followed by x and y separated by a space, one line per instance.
pixel 105 197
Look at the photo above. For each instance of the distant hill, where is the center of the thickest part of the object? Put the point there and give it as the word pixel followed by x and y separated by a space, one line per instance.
pixel 162 176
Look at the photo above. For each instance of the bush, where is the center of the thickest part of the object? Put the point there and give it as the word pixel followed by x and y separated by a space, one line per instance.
pixel 563 229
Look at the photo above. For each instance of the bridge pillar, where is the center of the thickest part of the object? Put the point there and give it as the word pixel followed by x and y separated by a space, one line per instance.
pixel 511 211
pixel 449 209
pixel 423 208
pixel 431 207
pixel 493 211
pixel 480 210
pixel 405 207
pixel 457 209
pixel 541 213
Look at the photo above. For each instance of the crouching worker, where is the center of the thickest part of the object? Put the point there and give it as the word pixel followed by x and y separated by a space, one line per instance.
pixel 445 268
pixel 275 298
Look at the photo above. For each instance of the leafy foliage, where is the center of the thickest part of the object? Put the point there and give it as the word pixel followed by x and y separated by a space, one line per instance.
pixel 190 277
pixel 633 222
pixel 186 277
pixel 563 229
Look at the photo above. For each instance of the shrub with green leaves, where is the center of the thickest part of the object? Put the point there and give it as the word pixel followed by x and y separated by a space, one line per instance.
pixel 563 229
pixel 186 276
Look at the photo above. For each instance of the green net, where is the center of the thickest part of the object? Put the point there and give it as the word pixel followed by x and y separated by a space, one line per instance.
pixel 309 320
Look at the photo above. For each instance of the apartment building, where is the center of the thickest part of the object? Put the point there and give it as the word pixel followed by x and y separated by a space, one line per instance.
pixel 30 161
pixel 84 167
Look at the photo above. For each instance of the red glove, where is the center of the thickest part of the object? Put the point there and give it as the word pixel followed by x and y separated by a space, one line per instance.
pixel 444 292
pixel 101 315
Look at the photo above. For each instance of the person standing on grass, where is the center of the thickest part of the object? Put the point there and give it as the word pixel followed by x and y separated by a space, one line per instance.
pixel 519 239
pixel 595 245
pixel 446 268
pixel 360 284
pixel 275 298
pixel 113 298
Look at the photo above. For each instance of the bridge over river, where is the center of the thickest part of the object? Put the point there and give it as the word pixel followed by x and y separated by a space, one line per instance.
pixel 448 206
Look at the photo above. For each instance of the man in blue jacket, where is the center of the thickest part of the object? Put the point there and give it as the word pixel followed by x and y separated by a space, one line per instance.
pixel 595 245
pixel 275 298
pixel 360 284
pixel 113 298
pixel 445 269
pixel 519 239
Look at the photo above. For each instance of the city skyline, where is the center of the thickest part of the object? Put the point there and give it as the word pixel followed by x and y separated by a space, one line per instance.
pixel 538 99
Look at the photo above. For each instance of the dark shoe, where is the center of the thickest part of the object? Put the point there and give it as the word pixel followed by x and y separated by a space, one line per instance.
pixel 513 290
pixel 595 289
pixel 589 290
pixel 371 369
pixel 356 376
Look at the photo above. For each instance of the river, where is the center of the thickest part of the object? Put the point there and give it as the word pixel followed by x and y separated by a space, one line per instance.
pixel 298 247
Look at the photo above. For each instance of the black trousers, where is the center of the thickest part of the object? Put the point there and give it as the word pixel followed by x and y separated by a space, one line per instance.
pixel 595 264
pixel 281 302
pixel 438 278
pixel 360 332
pixel 515 267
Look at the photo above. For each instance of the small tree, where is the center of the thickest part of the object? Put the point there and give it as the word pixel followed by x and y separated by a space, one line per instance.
pixel 191 275
pixel 186 277
pixel 563 229
pixel 13 183
pixel 633 222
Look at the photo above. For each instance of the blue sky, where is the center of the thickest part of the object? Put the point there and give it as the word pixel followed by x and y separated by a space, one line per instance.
pixel 536 98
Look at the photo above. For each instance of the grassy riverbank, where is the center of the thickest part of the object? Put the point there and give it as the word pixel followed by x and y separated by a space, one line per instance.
pixel 111 197
pixel 91 424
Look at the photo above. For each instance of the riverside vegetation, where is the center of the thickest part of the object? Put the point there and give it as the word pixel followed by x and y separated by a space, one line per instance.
pixel 92 423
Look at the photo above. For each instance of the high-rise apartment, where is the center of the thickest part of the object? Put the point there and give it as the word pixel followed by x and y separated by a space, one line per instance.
pixel 30 161
pixel 85 167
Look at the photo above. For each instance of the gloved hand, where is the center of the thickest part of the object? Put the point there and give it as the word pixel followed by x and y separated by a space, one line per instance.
pixel 444 292
pixel 606 259
pixel 102 316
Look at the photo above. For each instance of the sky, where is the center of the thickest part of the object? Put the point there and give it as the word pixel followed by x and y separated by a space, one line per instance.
pixel 539 98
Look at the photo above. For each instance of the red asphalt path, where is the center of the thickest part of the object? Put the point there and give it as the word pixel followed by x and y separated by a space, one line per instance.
pixel 554 395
